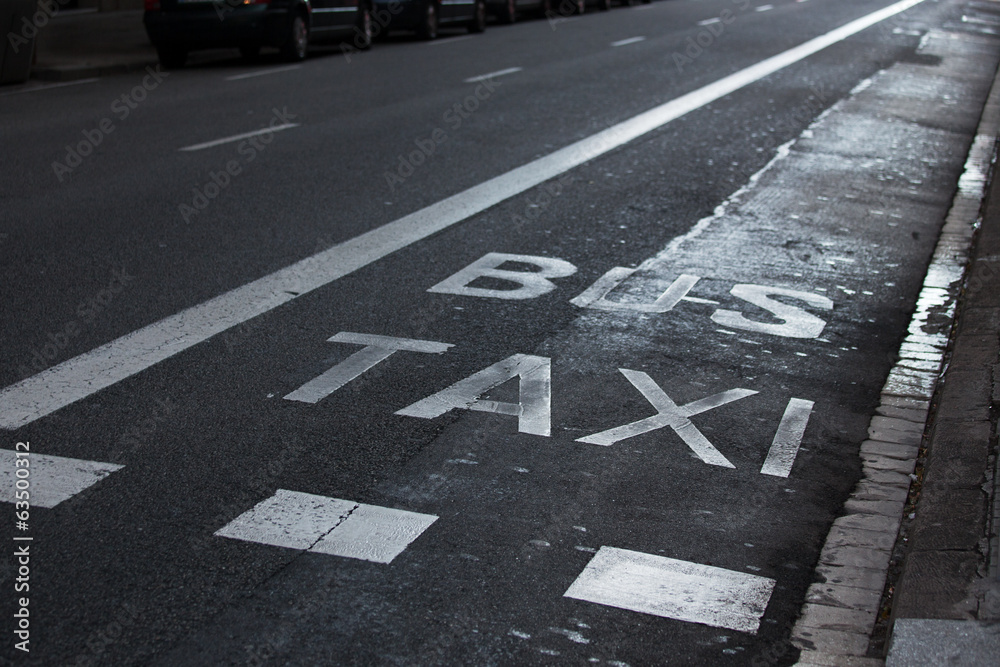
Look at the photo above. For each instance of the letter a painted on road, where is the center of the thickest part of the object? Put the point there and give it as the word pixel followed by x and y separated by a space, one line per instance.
pixel 533 409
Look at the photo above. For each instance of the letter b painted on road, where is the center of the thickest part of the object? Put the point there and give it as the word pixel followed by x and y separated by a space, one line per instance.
pixel 531 283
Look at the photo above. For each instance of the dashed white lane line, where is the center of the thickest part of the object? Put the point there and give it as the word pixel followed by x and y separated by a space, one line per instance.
pixel 88 373
pixel 674 589
pixel 330 526
pixel 238 137
pixel 262 72
pixel 51 479
pixel 484 77
pixel 710 21
pixel 763 8
pixel 630 40
pixel 449 40
pixel 48 86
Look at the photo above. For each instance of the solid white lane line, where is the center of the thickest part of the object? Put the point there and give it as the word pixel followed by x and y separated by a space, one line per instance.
pixel 449 40
pixel 763 8
pixel 674 588
pixel 32 89
pixel 630 40
pixel 710 21
pixel 52 479
pixel 88 373
pixel 245 135
pixel 484 77
pixel 262 72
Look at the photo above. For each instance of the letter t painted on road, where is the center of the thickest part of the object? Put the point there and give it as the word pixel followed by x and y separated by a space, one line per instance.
pixel 377 349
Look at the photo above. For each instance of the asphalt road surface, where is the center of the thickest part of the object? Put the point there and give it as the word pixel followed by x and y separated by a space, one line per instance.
pixel 552 345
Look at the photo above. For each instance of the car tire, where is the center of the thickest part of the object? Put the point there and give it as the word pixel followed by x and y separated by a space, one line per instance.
pixel 364 33
pixel 250 52
pixel 478 22
pixel 297 43
pixel 171 57
pixel 509 14
pixel 604 5
pixel 429 28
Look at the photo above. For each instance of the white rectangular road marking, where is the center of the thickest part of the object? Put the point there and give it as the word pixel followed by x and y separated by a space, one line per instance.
pixel 51 479
pixel 237 137
pixel 763 8
pixel 262 72
pixel 84 375
pixel 674 589
pixel 630 40
pixel 710 21
pixel 376 534
pixel 485 77
pixel 331 526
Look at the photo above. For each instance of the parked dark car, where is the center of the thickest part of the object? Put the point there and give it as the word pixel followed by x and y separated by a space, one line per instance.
pixel 507 11
pixel 176 27
pixel 425 17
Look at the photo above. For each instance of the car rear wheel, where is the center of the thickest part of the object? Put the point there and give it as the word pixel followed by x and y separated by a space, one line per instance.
pixel 171 57
pixel 478 22
pixel 429 28
pixel 297 44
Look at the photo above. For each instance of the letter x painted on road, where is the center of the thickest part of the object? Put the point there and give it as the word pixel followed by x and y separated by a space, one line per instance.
pixel 672 415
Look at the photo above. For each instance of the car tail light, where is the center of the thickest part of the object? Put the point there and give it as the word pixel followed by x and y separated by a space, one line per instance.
pixel 152 5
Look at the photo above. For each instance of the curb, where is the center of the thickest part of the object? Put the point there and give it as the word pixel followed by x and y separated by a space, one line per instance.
pixel 839 616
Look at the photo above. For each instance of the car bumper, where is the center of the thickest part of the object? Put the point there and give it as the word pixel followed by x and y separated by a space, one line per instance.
pixel 403 14
pixel 254 25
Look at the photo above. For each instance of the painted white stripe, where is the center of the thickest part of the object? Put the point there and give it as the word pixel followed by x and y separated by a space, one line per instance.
pixel 52 479
pixel 710 21
pixel 674 589
pixel 82 376
pixel 439 42
pixel 763 8
pixel 245 135
pixel 331 526
pixel 787 439
pixel 32 89
pixel 262 72
pixel 630 40
pixel 484 77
